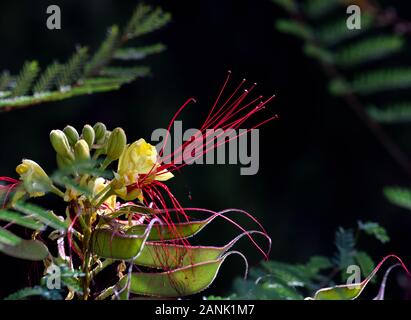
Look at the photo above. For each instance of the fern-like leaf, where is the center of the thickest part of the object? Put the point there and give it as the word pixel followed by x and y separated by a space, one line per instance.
pixel 25 79
pixel 369 49
pixel 81 75
pixel 399 196
pixel 5 80
pixel 47 80
pixel 345 243
pixel 105 52
pixel 139 52
pixel 144 20
pixel 395 113
pixel 374 229
pixel 74 68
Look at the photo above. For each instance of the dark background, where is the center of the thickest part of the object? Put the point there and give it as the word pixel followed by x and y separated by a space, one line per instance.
pixel 320 168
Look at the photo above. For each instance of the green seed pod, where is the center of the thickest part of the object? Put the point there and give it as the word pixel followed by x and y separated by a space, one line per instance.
pixel 89 135
pixel 100 131
pixel 82 150
pixel 60 144
pixel 116 144
pixel 71 134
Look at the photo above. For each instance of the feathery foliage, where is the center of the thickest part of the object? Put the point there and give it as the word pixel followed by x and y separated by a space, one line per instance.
pixel 86 72
pixel 351 52
pixel 361 66
pixel 399 196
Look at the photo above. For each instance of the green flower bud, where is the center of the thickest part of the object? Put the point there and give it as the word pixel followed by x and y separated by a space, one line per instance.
pixel 63 162
pixel 100 131
pixel 60 144
pixel 116 144
pixel 89 135
pixel 82 150
pixel 36 182
pixel 103 149
pixel 71 134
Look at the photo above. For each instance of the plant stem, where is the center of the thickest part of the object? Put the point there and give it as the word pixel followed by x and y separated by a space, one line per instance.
pixel 87 255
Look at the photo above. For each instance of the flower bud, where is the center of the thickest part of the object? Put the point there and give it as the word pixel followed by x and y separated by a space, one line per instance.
pixel 60 144
pixel 63 162
pixel 71 134
pixel 89 135
pixel 116 144
pixel 36 182
pixel 82 151
pixel 100 131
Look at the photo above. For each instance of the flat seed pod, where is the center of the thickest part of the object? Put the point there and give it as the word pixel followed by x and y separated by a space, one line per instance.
pixel 176 283
pixel 171 256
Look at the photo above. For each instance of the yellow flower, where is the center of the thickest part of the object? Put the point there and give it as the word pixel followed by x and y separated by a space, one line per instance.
pixel 98 186
pixel 36 182
pixel 138 158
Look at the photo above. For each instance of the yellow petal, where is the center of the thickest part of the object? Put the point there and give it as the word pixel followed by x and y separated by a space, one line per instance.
pixel 164 175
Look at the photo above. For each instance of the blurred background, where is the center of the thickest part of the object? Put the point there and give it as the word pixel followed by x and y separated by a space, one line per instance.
pixel 320 167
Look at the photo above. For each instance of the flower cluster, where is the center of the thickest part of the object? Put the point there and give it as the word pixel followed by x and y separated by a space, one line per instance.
pixel 119 207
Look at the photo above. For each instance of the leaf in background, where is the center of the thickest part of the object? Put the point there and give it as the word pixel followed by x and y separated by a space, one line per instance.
pixel 72 70
pixel 40 214
pixel 399 196
pixel 33 250
pixel 35 291
pixel 352 291
pixel 331 33
pixel 105 51
pixel 21 220
pixel 139 53
pixel 365 262
pixel 273 289
pixel 5 80
pixel 294 27
pixel 369 49
pixel 146 19
pixel 374 229
pixel 399 112
pixel 345 243
pixel 47 80
pixel 127 73
pixel 81 75
pixel 317 264
pixel 8 238
pixel 318 8
pixel 381 80
pixel 25 79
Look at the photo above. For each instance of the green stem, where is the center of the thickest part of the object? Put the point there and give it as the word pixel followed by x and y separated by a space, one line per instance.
pixel 57 191
pixel 106 163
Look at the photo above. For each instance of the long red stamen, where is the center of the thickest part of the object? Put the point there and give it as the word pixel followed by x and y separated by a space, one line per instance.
pixel 13 184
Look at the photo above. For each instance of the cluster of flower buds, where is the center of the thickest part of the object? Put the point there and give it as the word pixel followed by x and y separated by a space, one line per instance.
pixel 138 165
pixel 72 147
